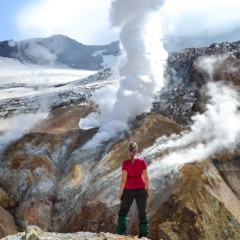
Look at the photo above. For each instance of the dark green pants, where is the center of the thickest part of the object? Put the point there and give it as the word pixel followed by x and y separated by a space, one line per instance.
pixel 140 196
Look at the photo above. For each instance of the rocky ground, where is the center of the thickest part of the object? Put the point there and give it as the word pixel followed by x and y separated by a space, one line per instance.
pixel 33 232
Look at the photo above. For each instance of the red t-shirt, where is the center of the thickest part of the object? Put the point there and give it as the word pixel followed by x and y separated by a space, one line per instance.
pixel 134 170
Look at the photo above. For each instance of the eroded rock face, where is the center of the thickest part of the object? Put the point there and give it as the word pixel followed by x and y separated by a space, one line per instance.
pixel 7 225
pixel 228 166
pixel 201 206
pixel 188 71
pixel 5 200
pixel 60 187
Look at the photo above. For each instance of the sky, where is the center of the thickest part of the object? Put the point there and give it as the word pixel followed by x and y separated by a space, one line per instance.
pixel 87 21
pixel 83 20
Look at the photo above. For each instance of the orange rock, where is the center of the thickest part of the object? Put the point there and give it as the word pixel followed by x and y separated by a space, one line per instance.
pixel 7 225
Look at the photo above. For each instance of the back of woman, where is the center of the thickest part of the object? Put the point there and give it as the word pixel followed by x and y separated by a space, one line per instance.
pixel 134 186
pixel 134 170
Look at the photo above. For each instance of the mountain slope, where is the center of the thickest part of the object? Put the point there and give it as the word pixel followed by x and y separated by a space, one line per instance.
pixel 60 49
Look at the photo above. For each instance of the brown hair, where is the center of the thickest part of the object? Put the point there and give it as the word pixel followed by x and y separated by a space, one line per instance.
pixel 133 149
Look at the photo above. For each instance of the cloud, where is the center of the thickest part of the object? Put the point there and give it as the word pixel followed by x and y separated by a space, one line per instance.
pixel 201 17
pixel 87 21
pixel 84 21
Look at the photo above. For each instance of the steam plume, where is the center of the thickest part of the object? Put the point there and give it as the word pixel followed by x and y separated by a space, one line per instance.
pixel 141 74
pixel 216 130
pixel 14 128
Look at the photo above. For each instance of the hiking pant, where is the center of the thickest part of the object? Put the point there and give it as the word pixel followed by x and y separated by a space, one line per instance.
pixel 140 196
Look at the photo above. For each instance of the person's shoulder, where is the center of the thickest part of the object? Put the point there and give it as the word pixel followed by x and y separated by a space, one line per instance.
pixel 141 160
pixel 126 161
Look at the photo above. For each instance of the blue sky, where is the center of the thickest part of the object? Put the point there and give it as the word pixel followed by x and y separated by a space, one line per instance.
pixel 9 9
pixel 87 21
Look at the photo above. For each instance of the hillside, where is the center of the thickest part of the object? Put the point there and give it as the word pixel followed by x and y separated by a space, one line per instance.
pixel 190 141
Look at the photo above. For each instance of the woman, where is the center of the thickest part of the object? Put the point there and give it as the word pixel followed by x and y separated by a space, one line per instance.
pixel 134 185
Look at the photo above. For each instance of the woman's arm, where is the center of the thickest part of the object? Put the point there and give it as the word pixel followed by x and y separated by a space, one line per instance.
pixel 146 179
pixel 122 184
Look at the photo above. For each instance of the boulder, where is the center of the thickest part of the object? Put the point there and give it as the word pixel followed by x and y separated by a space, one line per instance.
pixel 7 225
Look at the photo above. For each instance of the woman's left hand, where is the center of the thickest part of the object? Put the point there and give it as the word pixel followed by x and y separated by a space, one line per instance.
pixel 120 197
pixel 148 193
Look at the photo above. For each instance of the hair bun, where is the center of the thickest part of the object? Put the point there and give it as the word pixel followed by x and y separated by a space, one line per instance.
pixel 133 148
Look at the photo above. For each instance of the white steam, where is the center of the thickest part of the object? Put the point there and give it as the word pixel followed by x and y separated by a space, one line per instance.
pixel 216 130
pixel 39 54
pixel 15 127
pixel 141 74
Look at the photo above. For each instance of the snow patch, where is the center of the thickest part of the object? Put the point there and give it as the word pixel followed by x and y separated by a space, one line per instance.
pixel 18 79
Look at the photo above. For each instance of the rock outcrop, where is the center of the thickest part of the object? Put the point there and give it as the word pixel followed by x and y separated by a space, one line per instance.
pixel 201 206
pixel 188 71
pixel 7 225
